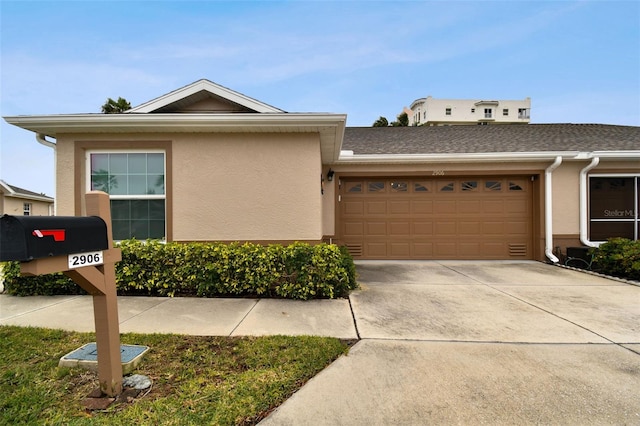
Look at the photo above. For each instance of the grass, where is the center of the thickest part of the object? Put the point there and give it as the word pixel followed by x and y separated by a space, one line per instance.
pixel 196 380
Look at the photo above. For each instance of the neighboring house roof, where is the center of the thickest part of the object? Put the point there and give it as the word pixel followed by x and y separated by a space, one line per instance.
pixel 453 141
pixel 189 110
pixel 14 191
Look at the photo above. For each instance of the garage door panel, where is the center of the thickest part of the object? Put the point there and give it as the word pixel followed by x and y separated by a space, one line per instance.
pixel 419 207
pixel 376 228
pixel 469 207
pixel 353 207
pixel 422 218
pixel 493 228
pixel 470 228
pixel 399 207
pixel 445 228
pixel 422 228
pixel 353 229
pixel 400 249
pixel 445 206
pixel 376 207
pixel 400 229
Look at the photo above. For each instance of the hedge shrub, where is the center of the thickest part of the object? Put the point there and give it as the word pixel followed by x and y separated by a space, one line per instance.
pixel 298 271
pixel 618 257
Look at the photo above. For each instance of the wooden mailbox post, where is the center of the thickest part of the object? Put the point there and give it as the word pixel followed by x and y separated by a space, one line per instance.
pixel 99 280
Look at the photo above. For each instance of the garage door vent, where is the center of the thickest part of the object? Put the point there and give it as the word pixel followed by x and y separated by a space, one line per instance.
pixel 517 249
pixel 355 250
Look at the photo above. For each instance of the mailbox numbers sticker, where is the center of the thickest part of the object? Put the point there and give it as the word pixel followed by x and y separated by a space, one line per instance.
pixel 85 259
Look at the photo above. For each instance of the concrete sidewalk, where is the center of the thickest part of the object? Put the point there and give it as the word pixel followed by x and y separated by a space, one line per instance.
pixel 193 316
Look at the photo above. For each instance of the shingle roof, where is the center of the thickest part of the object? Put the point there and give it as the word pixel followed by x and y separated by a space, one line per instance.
pixel 489 139
pixel 15 190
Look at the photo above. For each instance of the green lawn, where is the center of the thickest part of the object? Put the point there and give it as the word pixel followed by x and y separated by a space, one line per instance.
pixel 196 380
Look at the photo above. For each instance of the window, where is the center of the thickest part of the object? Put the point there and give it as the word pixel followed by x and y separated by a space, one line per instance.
pixel 515 186
pixel 376 186
pixel 421 186
pixel 488 113
pixel 26 209
pixel 447 187
pixel 447 111
pixel 523 112
pixel 469 185
pixel 505 111
pixel 399 186
pixel 354 187
pixel 493 185
pixel 135 183
pixel 473 110
pixel 613 207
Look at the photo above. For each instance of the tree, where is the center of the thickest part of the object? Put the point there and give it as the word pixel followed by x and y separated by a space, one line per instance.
pixel 381 122
pixel 402 120
pixel 115 107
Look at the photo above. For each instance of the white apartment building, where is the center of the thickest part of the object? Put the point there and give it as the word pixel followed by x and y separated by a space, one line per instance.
pixel 446 112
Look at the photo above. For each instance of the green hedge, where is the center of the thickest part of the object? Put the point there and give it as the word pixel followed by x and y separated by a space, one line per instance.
pixel 152 268
pixel 618 257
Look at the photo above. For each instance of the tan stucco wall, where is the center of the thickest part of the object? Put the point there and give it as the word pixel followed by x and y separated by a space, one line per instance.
pixel 566 198
pixel 232 186
pixel 247 187
pixel 15 206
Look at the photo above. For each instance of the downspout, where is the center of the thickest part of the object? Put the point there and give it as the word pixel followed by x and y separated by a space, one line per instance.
pixel 584 239
pixel 42 139
pixel 548 210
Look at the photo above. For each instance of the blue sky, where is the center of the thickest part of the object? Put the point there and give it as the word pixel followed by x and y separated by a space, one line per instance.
pixel 579 61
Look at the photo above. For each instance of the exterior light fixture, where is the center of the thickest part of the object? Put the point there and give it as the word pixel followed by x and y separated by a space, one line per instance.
pixel 330 174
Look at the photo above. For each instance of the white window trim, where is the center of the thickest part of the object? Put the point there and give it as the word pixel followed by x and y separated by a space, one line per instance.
pixel 636 218
pixel 130 197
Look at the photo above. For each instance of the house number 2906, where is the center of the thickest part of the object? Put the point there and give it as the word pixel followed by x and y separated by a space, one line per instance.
pixel 437 173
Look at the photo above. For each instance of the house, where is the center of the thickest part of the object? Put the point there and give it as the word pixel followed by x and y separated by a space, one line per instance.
pixel 17 201
pixel 450 112
pixel 205 163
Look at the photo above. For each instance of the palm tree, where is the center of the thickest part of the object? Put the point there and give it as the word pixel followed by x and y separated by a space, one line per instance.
pixel 115 107
pixel 381 122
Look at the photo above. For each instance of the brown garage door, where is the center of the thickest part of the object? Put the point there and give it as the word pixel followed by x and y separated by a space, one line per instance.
pixel 443 218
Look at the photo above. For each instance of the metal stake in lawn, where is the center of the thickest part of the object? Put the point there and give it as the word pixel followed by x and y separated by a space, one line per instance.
pixel 100 282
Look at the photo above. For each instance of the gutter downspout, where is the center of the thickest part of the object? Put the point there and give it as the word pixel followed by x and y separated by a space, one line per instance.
pixel 548 210
pixel 42 139
pixel 583 203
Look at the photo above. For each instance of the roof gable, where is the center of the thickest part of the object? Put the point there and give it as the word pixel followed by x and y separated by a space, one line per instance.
pixel 204 96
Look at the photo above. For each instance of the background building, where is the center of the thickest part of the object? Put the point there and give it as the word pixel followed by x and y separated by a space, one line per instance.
pixel 446 112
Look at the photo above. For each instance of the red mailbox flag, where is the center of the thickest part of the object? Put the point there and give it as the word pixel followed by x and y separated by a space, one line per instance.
pixel 57 234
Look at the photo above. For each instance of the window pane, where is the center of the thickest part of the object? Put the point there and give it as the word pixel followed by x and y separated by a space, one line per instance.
pixel 354 187
pixel 118 163
pixel 99 163
pixel 155 163
pixel 140 209
pixel 156 209
pixel 493 185
pixel 612 198
pixel 100 182
pixel 470 185
pixel 120 210
pixel 155 185
pixel 121 229
pixel 601 231
pixel 137 185
pixel 513 186
pixel 118 184
pixel 376 186
pixel 156 229
pixel 137 163
pixel 421 187
pixel 446 187
pixel 399 186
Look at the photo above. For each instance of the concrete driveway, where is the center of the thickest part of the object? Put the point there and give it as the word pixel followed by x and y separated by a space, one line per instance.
pixel 481 343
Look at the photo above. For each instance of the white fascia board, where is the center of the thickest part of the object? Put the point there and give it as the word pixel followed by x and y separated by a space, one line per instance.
pixel 210 87
pixel 348 157
pixel 43 198
pixel 51 125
